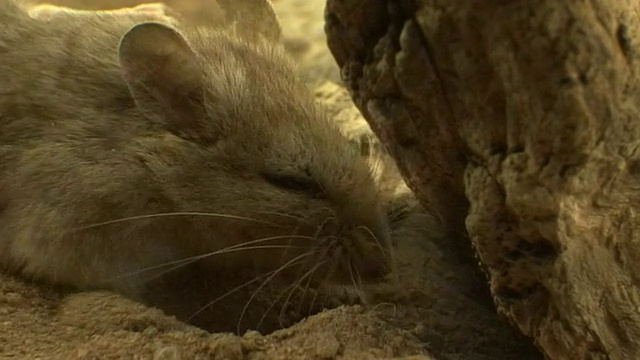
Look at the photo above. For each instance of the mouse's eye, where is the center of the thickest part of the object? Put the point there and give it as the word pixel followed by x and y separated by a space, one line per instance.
pixel 295 183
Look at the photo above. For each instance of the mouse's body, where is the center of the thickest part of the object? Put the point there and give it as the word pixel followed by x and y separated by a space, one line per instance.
pixel 139 13
pixel 128 145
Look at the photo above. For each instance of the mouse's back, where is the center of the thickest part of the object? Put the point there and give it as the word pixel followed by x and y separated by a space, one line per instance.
pixel 48 62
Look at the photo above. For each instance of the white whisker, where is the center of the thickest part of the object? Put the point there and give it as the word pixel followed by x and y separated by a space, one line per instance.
pixel 230 249
pixel 255 293
pixel 171 214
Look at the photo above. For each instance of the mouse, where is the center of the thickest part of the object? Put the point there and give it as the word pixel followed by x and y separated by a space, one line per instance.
pixel 130 147
pixel 141 12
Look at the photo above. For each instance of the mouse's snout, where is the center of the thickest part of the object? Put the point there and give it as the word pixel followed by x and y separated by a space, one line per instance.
pixel 369 253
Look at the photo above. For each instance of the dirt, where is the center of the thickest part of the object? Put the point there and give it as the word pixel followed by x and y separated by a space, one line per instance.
pixel 437 306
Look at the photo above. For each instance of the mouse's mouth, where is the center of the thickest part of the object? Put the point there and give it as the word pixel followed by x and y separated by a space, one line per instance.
pixel 366 258
pixel 320 252
pixel 356 259
pixel 352 260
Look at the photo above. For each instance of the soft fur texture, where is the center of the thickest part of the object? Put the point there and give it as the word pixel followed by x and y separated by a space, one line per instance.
pixel 142 12
pixel 103 119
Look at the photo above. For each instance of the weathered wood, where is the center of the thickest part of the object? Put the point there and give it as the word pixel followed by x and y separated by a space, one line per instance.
pixel 520 118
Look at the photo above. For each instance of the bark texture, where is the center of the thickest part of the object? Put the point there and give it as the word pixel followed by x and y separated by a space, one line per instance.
pixel 520 120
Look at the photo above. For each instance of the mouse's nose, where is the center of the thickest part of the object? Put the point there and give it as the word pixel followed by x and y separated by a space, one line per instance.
pixel 372 259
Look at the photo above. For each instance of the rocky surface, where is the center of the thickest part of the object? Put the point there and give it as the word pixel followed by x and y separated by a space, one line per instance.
pixel 517 119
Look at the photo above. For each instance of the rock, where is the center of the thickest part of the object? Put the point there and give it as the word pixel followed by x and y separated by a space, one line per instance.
pixel 518 120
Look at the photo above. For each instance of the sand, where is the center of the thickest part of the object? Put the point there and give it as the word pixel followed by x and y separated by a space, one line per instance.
pixel 436 307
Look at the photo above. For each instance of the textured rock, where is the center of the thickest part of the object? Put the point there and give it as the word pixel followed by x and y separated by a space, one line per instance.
pixel 520 119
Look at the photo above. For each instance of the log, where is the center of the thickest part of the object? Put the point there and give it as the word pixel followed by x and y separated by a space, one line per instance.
pixel 517 121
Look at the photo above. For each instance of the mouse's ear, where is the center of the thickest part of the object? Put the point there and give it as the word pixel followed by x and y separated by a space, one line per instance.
pixel 165 78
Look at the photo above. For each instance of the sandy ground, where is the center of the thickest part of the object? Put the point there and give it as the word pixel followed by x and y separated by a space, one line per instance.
pixel 436 307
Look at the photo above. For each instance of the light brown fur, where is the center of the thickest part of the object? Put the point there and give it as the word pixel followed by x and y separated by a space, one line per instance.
pixel 95 127
pixel 143 12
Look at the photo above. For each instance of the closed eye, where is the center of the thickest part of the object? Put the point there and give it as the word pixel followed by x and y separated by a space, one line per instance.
pixel 295 183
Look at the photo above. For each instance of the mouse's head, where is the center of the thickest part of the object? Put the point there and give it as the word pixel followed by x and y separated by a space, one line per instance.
pixel 239 136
